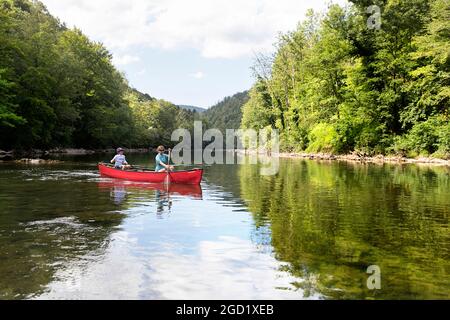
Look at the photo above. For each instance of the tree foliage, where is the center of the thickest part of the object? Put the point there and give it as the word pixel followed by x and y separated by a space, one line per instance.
pixel 226 114
pixel 336 85
pixel 60 89
pixel 155 120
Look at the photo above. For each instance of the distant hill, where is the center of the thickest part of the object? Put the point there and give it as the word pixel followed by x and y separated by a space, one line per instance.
pixel 147 97
pixel 192 108
pixel 142 96
pixel 227 114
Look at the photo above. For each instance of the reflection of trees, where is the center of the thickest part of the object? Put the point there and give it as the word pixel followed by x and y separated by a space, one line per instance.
pixel 44 225
pixel 227 177
pixel 330 221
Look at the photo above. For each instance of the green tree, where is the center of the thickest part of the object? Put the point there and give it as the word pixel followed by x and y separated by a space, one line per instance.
pixel 430 89
pixel 336 85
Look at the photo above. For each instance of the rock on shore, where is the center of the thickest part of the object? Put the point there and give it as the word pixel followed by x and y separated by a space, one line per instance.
pixel 37 161
pixel 356 157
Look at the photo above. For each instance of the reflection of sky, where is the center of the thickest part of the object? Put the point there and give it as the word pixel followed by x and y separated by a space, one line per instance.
pixel 201 250
pixel 228 268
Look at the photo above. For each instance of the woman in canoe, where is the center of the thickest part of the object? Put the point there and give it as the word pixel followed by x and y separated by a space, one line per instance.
pixel 163 160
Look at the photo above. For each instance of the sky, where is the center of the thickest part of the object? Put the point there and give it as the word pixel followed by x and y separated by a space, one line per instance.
pixel 191 52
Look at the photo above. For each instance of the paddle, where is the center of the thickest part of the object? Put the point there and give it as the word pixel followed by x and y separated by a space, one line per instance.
pixel 168 169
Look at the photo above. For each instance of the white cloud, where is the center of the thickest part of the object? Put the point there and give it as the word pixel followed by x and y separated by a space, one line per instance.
pixel 218 29
pixel 229 268
pixel 198 75
pixel 124 60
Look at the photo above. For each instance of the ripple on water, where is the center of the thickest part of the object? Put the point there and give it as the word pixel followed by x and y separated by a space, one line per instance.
pixel 58 175
pixel 61 225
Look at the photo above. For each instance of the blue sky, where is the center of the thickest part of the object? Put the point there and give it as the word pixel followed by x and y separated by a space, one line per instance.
pixel 192 52
pixel 185 77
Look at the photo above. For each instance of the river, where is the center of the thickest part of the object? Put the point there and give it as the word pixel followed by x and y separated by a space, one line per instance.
pixel 310 232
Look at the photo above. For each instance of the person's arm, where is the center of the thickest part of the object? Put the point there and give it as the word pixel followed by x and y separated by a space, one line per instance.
pixel 162 163
pixel 114 159
pixel 125 161
pixel 169 165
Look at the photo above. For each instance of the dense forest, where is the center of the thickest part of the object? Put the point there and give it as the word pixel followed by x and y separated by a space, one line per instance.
pixel 336 85
pixel 59 89
pixel 226 114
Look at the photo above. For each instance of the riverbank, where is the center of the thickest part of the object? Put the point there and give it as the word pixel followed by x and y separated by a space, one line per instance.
pixel 37 153
pixel 356 157
pixel 353 157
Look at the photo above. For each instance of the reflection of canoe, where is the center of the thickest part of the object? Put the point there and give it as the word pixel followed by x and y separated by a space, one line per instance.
pixel 188 190
pixel 182 177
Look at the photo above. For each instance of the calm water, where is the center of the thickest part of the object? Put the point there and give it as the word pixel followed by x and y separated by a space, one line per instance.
pixel 308 233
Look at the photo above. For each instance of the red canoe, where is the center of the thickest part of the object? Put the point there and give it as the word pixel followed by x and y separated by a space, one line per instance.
pixel 181 177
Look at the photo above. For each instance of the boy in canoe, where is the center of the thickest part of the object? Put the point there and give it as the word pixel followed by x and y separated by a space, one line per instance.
pixel 120 162
pixel 163 161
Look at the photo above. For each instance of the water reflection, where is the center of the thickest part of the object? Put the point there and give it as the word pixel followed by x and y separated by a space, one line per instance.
pixel 309 232
pixel 331 221
pixel 164 203
pixel 223 268
pixel 46 223
pixel 199 252
pixel 118 194
pixel 163 194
